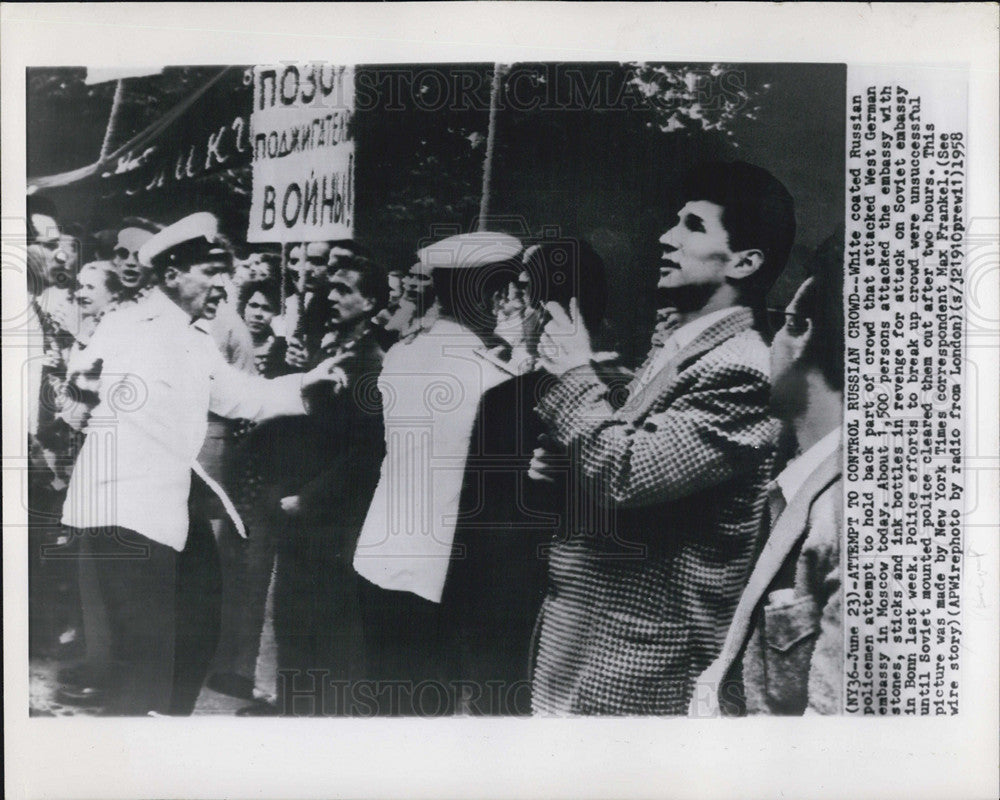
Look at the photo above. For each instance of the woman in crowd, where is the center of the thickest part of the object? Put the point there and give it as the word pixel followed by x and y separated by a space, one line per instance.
pixel 247 566
pixel 259 303
pixel 95 295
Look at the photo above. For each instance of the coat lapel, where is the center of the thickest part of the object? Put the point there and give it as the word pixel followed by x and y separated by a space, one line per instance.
pixel 641 400
pixel 779 544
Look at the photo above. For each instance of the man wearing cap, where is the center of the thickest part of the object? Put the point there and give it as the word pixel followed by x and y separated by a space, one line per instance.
pixel 431 386
pixel 506 522
pixel 158 373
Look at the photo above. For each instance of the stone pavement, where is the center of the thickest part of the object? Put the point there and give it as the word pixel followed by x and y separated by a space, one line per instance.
pixel 43 702
pixel 43 683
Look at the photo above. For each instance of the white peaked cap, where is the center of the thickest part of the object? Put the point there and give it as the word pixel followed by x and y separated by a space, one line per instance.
pixel 469 251
pixel 201 227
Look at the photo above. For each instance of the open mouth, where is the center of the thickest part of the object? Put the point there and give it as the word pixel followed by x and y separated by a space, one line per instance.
pixel 130 277
pixel 668 265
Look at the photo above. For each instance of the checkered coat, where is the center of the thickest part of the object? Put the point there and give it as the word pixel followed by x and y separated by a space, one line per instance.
pixel 670 492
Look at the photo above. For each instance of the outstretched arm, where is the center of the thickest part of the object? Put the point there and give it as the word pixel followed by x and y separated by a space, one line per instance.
pixel 238 395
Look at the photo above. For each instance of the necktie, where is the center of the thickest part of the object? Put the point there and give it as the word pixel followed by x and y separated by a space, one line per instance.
pixel 775 503
pixel 784 580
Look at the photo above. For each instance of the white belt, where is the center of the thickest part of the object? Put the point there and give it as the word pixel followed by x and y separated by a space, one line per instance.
pixel 219 492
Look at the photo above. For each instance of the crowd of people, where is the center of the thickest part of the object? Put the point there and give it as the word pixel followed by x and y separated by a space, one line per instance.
pixel 428 481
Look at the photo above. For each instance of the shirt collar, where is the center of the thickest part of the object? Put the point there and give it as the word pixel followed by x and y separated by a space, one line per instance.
pixel 801 467
pixel 157 304
pixel 689 331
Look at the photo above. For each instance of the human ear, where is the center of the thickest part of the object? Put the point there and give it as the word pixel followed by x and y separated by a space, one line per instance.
pixel 744 264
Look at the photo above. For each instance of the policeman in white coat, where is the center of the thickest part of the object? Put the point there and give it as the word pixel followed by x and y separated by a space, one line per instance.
pixel 149 377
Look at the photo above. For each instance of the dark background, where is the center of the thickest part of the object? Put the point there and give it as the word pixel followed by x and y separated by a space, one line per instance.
pixel 571 157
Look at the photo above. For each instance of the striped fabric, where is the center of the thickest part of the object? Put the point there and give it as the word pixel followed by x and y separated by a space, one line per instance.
pixel 644 585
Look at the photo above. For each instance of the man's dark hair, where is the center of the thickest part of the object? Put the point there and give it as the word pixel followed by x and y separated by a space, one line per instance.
pixel 104 244
pixel 758 213
pixel 373 280
pixel 562 269
pixel 822 302
pixel 353 245
pixel 273 261
pixel 269 288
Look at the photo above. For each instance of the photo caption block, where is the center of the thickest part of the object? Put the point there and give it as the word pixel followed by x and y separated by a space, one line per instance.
pixel 904 426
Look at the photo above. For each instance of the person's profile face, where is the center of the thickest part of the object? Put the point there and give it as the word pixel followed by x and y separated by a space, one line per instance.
pixel 57 271
pixel 347 304
pixel 695 251
pixel 200 289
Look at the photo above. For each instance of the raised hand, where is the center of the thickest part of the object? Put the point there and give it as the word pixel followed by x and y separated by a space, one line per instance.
pixel 82 394
pixel 296 354
pixel 291 505
pixel 546 460
pixel 565 342
pixel 328 371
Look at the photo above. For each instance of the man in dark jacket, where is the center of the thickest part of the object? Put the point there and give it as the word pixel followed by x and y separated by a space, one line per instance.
pixel 329 478
pixel 506 521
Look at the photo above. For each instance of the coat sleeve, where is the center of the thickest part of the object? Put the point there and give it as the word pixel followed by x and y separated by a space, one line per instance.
pixel 355 475
pixel 238 395
pixel 718 429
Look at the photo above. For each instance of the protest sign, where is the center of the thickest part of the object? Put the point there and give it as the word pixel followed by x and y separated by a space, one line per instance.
pixel 303 153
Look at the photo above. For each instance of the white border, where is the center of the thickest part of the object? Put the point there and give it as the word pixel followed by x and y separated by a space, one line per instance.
pixel 202 757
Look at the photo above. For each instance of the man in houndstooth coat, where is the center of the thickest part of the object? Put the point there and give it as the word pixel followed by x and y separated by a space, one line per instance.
pixel 670 473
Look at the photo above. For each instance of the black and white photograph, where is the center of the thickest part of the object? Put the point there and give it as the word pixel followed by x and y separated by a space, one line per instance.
pixel 355 388
pixel 494 439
